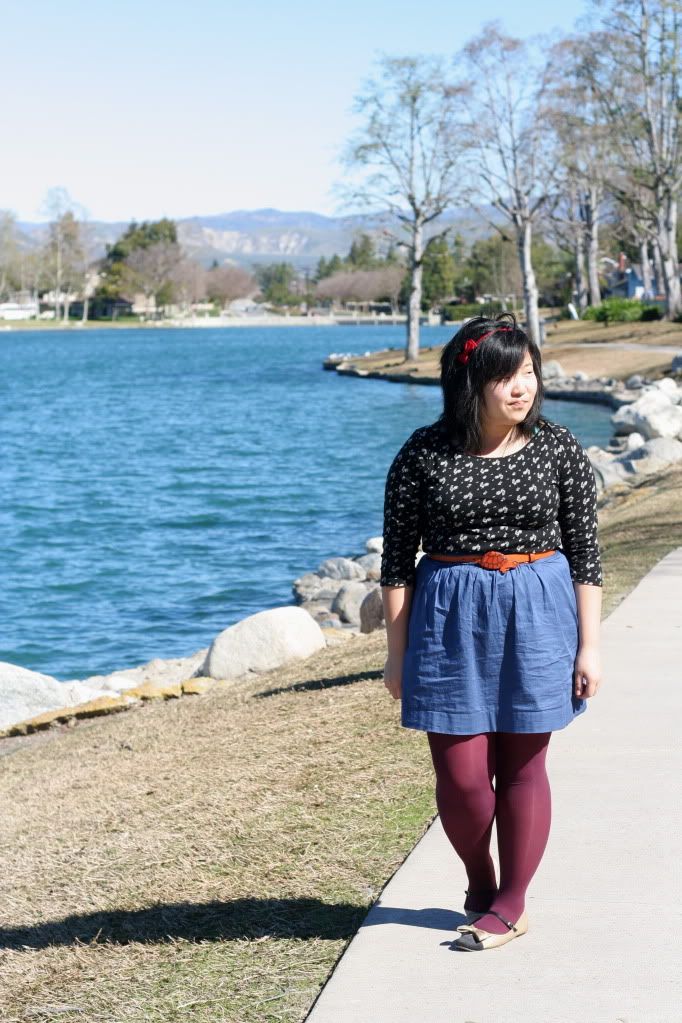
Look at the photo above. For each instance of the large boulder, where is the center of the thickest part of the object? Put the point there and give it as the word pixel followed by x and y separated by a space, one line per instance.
pixel 25 694
pixel 372 611
pixel 341 568
pixel 651 456
pixel 607 470
pixel 263 641
pixel 652 415
pixel 347 601
pixel 670 388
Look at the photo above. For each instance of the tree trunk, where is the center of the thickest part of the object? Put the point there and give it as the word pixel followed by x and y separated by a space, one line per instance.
pixel 658 267
pixel 58 284
pixel 592 229
pixel 580 281
pixel 414 307
pixel 646 268
pixel 524 236
pixel 86 308
pixel 667 242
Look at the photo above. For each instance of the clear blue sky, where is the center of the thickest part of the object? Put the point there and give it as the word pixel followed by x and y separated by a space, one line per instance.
pixel 152 109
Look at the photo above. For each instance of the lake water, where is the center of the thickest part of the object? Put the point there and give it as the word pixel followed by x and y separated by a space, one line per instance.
pixel 159 485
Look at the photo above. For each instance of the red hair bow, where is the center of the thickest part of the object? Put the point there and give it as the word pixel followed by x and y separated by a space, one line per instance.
pixel 470 344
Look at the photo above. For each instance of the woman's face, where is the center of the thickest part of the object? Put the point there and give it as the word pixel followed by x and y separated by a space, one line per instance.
pixel 508 401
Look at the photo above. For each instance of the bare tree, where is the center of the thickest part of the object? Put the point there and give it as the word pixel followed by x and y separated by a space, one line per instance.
pixel 9 253
pixel 224 284
pixel 633 64
pixel 637 228
pixel 509 130
pixel 362 285
pixel 152 270
pixel 189 280
pixel 583 150
pixel 564 223
pixel 389 281
pixel 63 251
pixel 408 145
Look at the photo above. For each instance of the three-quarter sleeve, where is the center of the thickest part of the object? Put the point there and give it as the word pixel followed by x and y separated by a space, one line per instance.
pixel 402 518
pixel 578 512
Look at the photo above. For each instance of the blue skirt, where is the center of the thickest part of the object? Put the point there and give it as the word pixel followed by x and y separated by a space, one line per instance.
pixel 491 651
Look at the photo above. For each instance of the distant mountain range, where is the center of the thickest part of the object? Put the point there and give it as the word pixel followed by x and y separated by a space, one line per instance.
pixel 246 237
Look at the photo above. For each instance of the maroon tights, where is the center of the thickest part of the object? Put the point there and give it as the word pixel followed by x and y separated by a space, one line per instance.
pixel 520 803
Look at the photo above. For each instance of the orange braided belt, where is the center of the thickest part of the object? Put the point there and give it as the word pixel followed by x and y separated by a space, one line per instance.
pixel 494 559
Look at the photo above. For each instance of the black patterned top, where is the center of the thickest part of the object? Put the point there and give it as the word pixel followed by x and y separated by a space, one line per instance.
pixel 541 497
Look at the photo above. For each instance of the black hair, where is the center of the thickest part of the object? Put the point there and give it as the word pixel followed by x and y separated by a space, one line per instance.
pixel 462 384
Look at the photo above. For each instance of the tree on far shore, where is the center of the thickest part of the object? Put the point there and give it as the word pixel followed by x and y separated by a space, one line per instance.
pixel 634 65
pixel 363 286
pixel 115 275
pixel 510 168
pixel 63 255
pixel 410 153
pixel 277 281
pixel 153 270
pixel 224 284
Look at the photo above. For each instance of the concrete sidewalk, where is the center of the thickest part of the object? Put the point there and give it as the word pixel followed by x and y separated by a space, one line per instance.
pixel 604 908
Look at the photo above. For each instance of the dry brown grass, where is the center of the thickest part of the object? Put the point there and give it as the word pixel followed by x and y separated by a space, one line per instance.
pixel 219 850
pixel 209 859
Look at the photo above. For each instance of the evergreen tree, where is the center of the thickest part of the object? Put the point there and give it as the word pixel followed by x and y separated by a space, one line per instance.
pixel 135 237
pixel 438 274
pixel 362 255
pixel 276 281
pixel 334 265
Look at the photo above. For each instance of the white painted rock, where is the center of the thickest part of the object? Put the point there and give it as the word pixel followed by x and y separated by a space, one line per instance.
pixel 634 440
pixel 669 387
pixel 263 641
pixel 652 415
pixel 607 470
pixel 24 693
pixel 552 369
pixel 652 456
pixel 375 545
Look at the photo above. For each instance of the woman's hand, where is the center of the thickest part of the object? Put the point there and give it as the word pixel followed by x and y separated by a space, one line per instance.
pixel 587 671
pixel 393 676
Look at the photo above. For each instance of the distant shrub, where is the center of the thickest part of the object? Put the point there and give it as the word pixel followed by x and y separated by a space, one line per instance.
pixel 464 312
pixel 621 310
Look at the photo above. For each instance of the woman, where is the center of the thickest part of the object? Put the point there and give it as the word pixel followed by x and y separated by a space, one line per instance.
pixel 493 637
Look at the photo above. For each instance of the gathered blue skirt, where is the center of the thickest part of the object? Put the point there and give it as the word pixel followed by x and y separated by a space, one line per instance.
pixel 491 651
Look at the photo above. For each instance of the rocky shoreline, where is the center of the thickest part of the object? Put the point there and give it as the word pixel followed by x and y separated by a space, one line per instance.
pixel 342 597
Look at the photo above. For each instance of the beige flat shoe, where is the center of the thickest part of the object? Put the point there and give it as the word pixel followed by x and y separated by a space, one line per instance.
pixel 476 939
